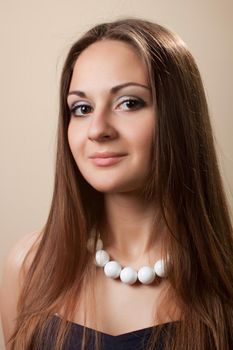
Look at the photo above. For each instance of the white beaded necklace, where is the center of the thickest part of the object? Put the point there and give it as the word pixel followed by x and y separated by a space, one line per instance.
pixel 128 275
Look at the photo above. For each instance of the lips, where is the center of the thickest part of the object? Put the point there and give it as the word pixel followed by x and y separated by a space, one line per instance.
pixel 104 159
pixel 106 155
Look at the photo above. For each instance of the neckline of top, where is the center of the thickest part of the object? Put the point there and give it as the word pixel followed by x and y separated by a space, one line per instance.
pixel 122 335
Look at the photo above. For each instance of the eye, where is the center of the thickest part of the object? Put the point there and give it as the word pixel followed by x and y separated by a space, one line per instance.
pixel 132 104
pixel 80 109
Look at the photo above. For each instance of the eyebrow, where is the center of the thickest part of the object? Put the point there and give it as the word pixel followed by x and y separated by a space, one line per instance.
pixel 113 90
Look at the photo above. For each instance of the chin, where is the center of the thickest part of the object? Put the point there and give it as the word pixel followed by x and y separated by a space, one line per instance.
pixel 116 187
pixel 104 188
pixel 108 183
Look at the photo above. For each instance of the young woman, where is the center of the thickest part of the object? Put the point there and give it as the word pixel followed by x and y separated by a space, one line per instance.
pixel 137 249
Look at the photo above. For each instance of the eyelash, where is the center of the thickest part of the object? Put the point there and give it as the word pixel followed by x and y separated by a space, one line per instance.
pixel 140 104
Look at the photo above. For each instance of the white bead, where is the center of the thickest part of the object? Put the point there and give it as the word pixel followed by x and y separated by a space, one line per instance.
pixel 101 258
pixel 128 275
pixel 146 275
pixel 159 268
pixel 112 269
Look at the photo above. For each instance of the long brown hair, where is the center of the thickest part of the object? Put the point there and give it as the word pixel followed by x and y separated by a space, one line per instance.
pixel 184 177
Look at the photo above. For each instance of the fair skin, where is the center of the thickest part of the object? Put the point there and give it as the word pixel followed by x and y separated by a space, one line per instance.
pixel 103 121
pixel 12 279
pixel 107 121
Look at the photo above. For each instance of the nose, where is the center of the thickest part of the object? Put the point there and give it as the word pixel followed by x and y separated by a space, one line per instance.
pixel 101 127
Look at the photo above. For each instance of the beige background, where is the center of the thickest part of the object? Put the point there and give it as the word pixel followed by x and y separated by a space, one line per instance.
pixel 34 39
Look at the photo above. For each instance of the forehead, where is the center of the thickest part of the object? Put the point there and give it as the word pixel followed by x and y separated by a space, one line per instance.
pixel 108 62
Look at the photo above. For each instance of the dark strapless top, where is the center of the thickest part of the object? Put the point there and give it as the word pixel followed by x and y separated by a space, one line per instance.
pixel 135 340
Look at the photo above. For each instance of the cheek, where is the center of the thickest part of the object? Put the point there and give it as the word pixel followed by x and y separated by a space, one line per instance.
pixel 142 137
pixel 74 138
pixel 71 138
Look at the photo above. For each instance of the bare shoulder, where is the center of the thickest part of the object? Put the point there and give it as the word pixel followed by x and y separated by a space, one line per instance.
pixel 22 247
pixel 11 279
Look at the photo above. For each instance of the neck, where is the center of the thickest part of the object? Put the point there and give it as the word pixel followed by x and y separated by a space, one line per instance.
pixel 132 229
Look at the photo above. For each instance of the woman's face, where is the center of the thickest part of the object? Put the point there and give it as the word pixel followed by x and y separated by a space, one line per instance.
pixel 111 112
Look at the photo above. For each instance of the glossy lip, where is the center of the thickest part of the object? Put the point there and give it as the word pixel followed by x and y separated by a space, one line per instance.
pixel 106 161
pixel 106 155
